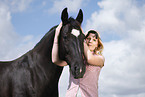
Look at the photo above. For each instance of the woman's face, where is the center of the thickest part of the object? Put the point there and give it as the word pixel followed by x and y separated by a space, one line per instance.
pixel 91 41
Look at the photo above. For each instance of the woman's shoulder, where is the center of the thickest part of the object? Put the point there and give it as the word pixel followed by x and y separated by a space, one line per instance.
pixel 100 56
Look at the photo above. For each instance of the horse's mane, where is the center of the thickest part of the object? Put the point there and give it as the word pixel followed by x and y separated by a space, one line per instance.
pixel 47 34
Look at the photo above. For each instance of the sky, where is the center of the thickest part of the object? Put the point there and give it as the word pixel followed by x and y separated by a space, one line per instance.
pixel 121 24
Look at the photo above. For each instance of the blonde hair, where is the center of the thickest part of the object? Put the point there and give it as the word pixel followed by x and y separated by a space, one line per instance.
pixel 100 47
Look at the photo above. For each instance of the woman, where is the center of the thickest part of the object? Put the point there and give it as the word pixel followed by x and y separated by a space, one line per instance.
pixel 93 52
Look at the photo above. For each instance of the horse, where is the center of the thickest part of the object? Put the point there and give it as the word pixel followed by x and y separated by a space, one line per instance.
pixel 34 74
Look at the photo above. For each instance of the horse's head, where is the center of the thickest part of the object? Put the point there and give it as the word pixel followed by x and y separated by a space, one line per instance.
pixel 71 40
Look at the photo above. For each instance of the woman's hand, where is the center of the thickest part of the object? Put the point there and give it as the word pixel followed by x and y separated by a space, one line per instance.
pixel 97 60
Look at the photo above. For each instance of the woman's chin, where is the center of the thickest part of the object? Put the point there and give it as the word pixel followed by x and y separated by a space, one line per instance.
pixel 91 49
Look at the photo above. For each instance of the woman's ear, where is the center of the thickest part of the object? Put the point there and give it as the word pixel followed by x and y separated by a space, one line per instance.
pixel 80 16
pixel 64 16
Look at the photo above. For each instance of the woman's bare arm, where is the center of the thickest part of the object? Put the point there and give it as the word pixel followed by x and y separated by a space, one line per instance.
pixel 93 59
pixel 55 57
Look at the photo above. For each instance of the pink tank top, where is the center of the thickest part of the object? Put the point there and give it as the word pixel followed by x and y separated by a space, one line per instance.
pixel 88 85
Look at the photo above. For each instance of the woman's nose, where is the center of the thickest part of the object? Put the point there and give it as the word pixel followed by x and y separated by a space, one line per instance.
pixel 90 40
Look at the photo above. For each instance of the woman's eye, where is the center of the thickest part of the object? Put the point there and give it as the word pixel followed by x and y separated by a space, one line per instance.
pixel 94 39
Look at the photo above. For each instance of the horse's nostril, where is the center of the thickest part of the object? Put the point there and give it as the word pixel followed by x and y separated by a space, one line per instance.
pixel 76 69
pixel 80 70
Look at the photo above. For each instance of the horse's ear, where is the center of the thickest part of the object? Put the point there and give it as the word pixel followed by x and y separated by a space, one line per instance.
pixel 64 16
pixel 80 16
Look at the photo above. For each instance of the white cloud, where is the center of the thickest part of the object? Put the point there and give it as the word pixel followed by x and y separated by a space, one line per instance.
pixel 20 5
pixel 104 21
pixel 123 73
pixel 9 39
pixel 16 5
pixel 72 5
pixel 7 34
pixel 117 16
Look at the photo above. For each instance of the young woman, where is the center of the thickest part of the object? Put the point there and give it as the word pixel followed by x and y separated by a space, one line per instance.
pixel 88 85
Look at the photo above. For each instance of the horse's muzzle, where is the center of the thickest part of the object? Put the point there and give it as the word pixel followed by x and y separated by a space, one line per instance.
pixel 78 70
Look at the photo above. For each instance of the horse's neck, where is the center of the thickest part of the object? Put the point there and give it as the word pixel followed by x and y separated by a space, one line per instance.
pixel 43 50
pixel 44 47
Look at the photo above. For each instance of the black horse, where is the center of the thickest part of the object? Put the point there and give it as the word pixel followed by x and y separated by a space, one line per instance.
pixel 34 74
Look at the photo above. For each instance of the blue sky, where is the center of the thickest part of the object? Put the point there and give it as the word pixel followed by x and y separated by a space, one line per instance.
pixel 121 24
pixel 39 15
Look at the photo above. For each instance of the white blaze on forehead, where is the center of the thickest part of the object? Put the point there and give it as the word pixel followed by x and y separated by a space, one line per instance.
pixel 75 32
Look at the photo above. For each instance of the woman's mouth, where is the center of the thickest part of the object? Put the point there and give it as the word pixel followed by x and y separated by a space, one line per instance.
pixel 89 44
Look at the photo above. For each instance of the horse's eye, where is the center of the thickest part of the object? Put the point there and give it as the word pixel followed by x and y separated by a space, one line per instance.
pixel 65 37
